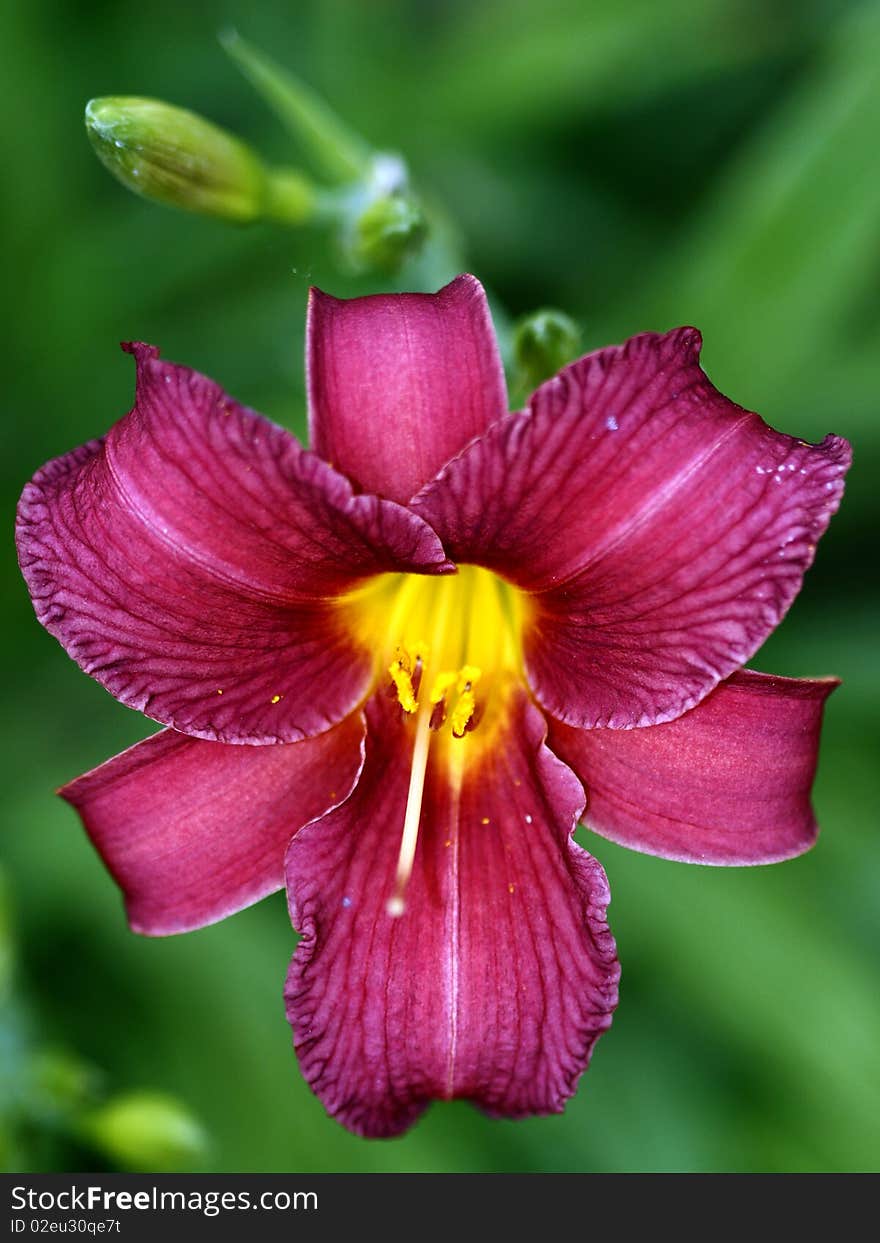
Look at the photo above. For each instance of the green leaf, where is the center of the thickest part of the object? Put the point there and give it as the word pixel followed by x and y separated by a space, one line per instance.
pixel 773 267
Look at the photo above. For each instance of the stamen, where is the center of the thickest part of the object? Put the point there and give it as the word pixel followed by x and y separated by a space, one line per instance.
pixel 464 708
pixel 406 674
pixel 396 904
pixel 416 675
pixel 400 676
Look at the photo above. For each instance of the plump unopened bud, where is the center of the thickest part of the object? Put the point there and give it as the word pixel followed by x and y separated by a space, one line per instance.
pixel 543 342
pixel 388 231
pixel 179 158
pixel 146 1131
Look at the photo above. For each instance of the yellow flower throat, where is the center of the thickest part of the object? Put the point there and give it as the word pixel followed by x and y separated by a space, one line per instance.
pixel 449 648
pixel 449 645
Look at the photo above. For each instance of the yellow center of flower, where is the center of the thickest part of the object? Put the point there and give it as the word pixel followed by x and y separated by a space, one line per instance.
pixel 449 646
pixel 449 650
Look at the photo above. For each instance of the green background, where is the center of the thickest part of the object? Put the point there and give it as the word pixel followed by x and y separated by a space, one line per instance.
pixel 639 165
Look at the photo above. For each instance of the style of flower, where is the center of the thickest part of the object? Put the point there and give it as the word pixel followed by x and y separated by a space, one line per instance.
pixel 411 657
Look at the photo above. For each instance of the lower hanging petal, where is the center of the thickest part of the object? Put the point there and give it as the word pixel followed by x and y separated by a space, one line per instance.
pixel 194 831
pixel 500 975
pixel 728 783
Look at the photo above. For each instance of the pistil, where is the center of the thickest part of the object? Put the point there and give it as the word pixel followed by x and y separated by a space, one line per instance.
pixel 396 904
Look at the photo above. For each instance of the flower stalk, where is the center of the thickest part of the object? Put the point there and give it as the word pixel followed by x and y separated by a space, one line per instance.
pixel 178 158
pixel 339 153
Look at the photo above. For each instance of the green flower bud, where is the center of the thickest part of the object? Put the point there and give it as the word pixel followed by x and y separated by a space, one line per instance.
pixel 146 1131
pixel 179 158
pixel 543 342
pixel 387 232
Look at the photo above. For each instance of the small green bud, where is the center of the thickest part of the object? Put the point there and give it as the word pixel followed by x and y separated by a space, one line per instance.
pixel 146 1131
pixel 388 231
pixel 543 342
pixel 179 158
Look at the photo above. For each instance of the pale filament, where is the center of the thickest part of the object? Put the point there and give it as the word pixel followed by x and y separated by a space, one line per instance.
pixel 396 904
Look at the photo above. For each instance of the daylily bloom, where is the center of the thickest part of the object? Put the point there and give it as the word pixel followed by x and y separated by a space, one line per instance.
pixel 458 627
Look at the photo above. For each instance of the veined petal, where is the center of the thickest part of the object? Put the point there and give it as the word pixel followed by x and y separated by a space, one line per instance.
pixel 501 973
pixel 663 530
pixel 193 831
pixel 190 560
pixel 727 783
pixel 398 383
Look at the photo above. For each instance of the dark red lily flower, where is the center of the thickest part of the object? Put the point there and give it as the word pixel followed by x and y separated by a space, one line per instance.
pixel 408 610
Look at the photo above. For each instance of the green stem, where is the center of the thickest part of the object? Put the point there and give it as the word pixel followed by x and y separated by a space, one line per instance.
pixel 339 152
pixel 291 198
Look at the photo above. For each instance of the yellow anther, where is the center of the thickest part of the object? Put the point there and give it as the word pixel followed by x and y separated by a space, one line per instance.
pixel 403 684
pixel 462 713
pixel 406 673
pixel 442 683
pixel 468 677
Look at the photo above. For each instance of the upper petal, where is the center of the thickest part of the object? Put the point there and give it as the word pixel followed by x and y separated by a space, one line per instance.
pixel 398 383
pixel 726 783
pixel 193 831
pixel 189 563
pixel 501 974
pixel 663 530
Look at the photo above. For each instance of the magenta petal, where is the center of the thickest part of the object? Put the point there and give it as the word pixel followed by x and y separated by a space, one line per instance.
pixel 500 975
pixel 189 563
pixel 398 383
pixel 727 783
pixel 663 529
pixel 193 831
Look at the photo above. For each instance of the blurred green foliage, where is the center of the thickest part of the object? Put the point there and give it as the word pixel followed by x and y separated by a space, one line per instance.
pixel 56 1110
pixel 640 166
